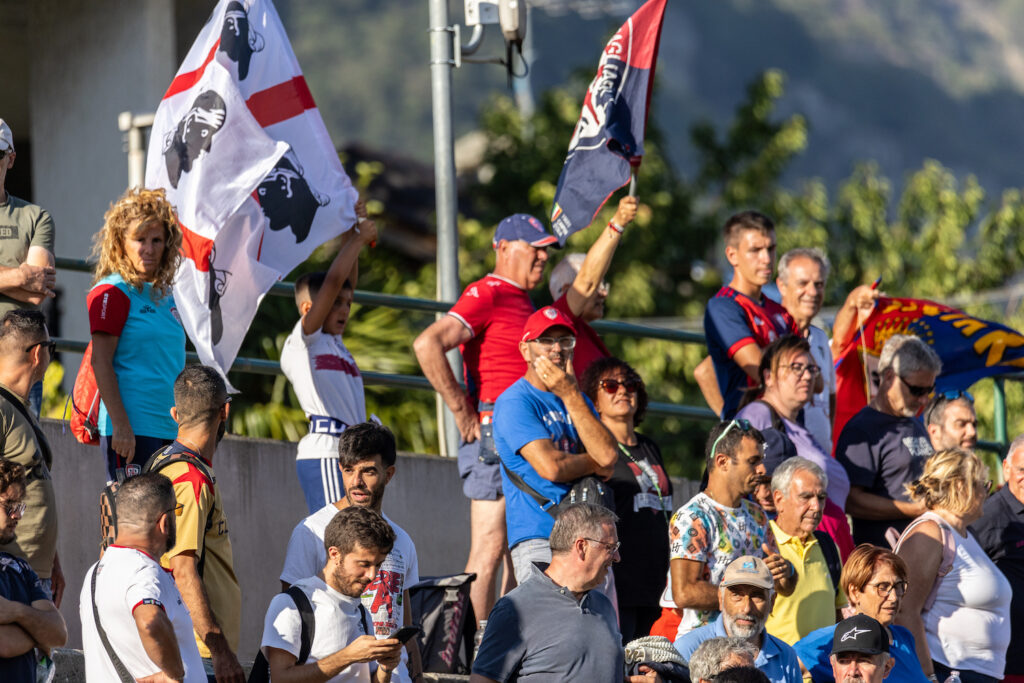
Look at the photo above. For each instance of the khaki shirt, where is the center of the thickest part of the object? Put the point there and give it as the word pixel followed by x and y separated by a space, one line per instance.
pixel 36 539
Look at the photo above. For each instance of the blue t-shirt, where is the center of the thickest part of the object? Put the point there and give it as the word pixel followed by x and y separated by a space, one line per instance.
pixel 731 321
pixel 19 583
pixel 775 659
pixel 814 650
pixel 150 354
pixel 523 414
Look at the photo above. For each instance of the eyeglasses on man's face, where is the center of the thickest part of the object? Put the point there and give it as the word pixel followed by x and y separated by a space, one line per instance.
pixel 916 390
pixel 612 548
pixel 566 343
pixel 50 345
pixel 13 509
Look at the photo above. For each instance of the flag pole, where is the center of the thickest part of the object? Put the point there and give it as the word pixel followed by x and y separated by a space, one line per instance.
pixel 632 181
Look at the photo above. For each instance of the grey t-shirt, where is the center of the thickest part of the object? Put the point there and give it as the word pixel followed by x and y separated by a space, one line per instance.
pixel 22 225
pixel 539 632
pixel 881 453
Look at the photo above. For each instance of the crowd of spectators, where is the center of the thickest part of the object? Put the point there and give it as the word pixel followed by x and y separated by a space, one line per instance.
pixel 757 577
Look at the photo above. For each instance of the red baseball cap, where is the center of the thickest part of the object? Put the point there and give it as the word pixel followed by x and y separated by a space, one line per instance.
pixel 543 320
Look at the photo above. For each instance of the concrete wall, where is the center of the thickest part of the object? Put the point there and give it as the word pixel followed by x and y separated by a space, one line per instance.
pixel 263 503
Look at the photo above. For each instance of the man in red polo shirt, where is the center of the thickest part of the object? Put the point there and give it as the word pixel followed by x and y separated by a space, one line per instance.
pixel 579 289
pixel 486 323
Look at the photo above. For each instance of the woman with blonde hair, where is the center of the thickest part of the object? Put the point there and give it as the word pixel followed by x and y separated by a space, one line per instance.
pixel 138 343
pixel 958 602
pixel 875 581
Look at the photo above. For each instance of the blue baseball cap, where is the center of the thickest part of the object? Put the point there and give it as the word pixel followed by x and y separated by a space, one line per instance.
pixel 523 226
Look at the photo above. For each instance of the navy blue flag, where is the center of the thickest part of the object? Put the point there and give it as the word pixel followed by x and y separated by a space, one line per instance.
pixel 609 137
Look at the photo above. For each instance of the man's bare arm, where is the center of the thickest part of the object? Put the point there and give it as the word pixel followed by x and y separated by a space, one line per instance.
pixel 41 621
pixel 193 592
pixel 555 465
pixel 704 373
pixel 857 307
pixel 866 505
pixel 38 275
pixel 688 589
pixel 14 641
pixel 599 258
pixel 158 640
pixel 430 346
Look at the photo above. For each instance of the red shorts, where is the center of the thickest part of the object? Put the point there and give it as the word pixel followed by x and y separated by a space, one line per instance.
pixel 667 624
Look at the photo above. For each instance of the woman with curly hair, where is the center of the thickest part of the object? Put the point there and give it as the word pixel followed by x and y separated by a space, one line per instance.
pixel 138 343
pixel 958 602
pixel 642 490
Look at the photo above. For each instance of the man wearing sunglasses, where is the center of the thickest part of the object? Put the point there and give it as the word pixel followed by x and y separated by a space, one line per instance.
pixel 25 352
pixel 548 435
pixel 883 447
pixel 951 421
pixel 139 607
pixel 27 274
pixel 28 619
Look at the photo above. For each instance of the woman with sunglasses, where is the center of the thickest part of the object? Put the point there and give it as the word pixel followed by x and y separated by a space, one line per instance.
pixel 138 343
pixel 958 604
pixel 643 494
pixel 875 581
pixel 788 376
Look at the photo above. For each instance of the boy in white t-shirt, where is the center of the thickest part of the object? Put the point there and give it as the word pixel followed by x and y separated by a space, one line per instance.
pixel 357 540
pixel 367 456
pixel 322 371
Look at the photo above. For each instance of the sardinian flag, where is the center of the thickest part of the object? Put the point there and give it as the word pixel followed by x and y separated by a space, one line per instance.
pixel 286 195
pixel 609 138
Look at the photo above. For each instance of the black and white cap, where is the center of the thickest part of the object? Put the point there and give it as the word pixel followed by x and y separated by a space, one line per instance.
pixel 860 633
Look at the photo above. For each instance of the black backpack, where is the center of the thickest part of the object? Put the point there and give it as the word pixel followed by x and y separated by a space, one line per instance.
pixel 441 606
pixel 260 672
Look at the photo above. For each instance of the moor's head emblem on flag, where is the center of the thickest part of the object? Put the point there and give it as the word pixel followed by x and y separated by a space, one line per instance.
pixel 218 285
pixel 287 200
pixel 606 117
pixel 238 39
pixel 193 135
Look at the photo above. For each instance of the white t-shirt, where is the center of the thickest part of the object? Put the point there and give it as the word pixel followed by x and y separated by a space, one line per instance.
pixel 968 627
pixel 817 417
pixel 383 598
pixel 327 382
pixel 339 621
pixel 128 578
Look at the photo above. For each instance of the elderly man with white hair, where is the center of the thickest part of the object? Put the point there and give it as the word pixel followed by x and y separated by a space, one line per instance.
pixel 579 289
pixel 798 489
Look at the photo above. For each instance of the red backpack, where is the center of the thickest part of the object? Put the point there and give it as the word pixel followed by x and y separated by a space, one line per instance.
pixel 85 403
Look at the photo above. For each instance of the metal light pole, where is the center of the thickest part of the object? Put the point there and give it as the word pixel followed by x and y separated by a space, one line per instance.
pixel 442 47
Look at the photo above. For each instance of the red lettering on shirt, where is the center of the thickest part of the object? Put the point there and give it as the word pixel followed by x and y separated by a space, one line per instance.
pixel 326 361
pixel 384 587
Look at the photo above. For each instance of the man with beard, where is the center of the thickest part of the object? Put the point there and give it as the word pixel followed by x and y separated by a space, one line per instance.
pixel 357 541
pixel 554 626
pixel 548 436
pixel 883 447
pixel 137 604
pixel 951 421
pixel 213 597
pixel 798 488
pixel 745 597
pixel 860 651
pixel 715 527
pixel 28 619
pixel 366 457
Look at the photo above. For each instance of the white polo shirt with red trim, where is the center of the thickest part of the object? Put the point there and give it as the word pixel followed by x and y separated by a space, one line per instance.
pixel 126 579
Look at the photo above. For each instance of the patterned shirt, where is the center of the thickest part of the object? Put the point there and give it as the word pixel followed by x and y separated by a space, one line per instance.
pixel 705 531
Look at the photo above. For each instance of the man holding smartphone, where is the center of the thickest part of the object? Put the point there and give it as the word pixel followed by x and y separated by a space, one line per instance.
pixel 343 647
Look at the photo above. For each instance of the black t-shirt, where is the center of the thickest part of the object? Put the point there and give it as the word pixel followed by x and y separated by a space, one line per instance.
pixel 881 453
pixel 1000 532
pixel 643 526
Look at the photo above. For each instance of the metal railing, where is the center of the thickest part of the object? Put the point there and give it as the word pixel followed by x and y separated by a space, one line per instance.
pixel 264 366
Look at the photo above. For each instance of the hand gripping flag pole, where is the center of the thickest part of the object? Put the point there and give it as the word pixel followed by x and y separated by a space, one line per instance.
pixel 608 141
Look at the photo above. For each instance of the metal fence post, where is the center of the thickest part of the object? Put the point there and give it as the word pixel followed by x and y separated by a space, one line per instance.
pixel 999 408
pixel 442 45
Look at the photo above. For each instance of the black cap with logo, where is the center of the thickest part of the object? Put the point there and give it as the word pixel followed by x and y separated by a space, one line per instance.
pixel 860 633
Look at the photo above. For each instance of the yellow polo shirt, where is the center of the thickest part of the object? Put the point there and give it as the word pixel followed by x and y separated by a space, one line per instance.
pixel 814 601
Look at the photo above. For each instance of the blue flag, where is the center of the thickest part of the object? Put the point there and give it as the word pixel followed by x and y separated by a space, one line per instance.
pixel 609 137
